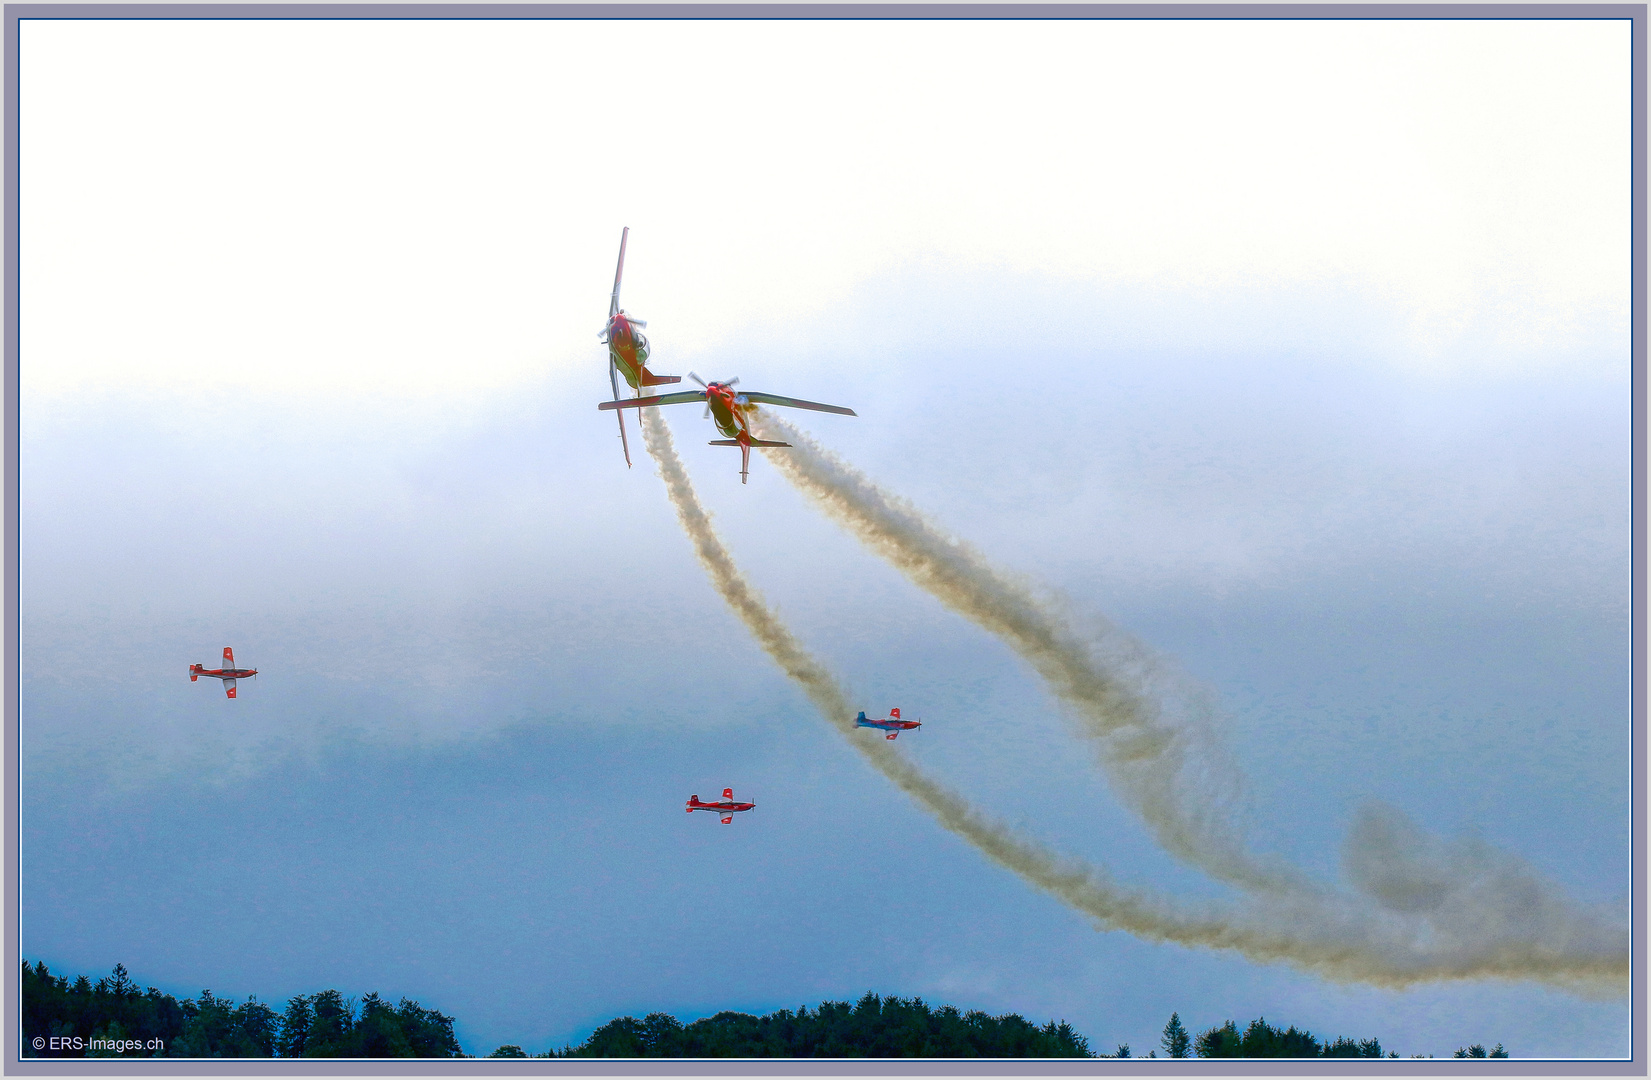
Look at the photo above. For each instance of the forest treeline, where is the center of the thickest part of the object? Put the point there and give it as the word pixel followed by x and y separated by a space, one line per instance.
pixel 1262 1040
pixel 114 1018
pixel 873 1027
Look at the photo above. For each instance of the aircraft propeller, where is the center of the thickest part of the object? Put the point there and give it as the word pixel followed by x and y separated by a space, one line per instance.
pixel 731 382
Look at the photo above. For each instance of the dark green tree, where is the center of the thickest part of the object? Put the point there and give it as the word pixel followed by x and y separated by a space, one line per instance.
pixel 295 1027
pixel 255 1026
pixel 1221 1042
pixel 332 1023
pixel 1499 1052
pixel 217 1027
pixel 1176 1041
pixel 1345 1047
pixel 1261 1039
pixel 1474 1051
pixel 378 1033
pixel 620 1037
pixel 661 1035
pixel 509 1050
pixel 429 1033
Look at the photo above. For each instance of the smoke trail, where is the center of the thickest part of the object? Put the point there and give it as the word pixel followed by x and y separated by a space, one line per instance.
pixel 1428 928
pixel 1169 767
pixel 1427 910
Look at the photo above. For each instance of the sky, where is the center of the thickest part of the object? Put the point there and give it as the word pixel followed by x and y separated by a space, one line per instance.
pixel 1298 352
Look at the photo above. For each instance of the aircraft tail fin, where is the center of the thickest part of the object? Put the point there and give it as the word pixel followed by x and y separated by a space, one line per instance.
pixel 860 718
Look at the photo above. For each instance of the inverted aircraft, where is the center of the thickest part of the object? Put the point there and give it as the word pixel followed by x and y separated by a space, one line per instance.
pixel 627 347
pixel 729 408
pixel 890 723
pixel 228 673
pixel 727 807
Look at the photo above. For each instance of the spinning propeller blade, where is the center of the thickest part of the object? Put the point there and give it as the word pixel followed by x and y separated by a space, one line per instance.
pixel 701 382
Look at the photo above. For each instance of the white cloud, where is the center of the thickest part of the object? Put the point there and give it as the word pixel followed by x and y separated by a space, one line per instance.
pixel 377 209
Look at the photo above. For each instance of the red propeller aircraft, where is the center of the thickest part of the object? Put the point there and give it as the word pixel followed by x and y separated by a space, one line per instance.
pixel 728 408
pixel 890 723
pixel 228 673
pixel 627 348
pixel 727 807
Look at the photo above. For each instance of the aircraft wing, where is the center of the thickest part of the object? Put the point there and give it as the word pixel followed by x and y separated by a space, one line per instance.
pixel 657 399
pixel 613 304
pixel 229 687
pixel 613 377
pixel 795 403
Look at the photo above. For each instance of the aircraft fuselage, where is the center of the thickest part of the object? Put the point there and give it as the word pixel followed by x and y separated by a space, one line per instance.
pixel 628 349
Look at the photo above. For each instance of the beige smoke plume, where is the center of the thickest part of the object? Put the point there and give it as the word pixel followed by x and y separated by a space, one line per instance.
pixel 1167 765
pixel 1426 910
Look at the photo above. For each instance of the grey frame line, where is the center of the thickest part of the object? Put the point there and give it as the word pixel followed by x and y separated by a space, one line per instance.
pixel 937 11
pixel 13 1063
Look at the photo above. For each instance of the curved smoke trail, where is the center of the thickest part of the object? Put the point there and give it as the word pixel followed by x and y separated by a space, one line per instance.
pixel 1426 909
pixel 1169 766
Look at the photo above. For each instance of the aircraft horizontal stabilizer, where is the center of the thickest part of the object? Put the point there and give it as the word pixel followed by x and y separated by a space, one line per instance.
pixel 736 442
pixel 650 379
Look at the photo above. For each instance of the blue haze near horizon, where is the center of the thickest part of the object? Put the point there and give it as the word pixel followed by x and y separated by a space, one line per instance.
pixel 492 669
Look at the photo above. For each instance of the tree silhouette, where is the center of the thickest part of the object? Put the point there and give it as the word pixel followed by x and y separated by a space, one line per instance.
pixel 113 1011
pixel 1176 1041
pixel 1223 1041
pixel 872 1027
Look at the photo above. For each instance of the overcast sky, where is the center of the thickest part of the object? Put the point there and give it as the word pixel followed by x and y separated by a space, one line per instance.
pixel 1300 350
